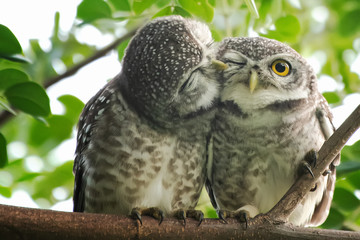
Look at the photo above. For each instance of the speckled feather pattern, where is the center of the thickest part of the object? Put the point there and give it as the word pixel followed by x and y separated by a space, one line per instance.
pixel 260 139
pixel 140 142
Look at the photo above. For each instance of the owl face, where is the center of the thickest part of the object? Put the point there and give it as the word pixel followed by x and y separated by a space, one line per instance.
pixel 262 72
pixel 167 69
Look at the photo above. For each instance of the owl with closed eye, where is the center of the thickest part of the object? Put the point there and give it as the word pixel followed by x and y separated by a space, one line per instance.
pixel 270 122
pixel 141 144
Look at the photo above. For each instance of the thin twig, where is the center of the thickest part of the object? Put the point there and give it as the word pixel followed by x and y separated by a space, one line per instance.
pixel 94 57
pixel 330 149
pixel 5 116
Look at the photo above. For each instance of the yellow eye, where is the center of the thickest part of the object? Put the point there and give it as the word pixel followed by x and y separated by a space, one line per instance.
pixel 281 67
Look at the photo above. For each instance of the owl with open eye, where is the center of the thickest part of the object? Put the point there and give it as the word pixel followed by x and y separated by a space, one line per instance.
pixel 270 122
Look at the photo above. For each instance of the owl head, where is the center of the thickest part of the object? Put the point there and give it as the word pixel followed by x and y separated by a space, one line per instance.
pixel 167 72
pixel 263 72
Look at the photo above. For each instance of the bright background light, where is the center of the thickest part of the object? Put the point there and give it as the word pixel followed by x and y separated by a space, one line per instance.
pixel 35 20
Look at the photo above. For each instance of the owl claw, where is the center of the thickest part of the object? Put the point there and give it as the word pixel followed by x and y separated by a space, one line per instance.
pixel 136 213
pixel 181 214
pixel 161 216
pixel 196 214
pixel 308 168
pixel 310 161
pixel 154 212
pixel 241 216
pixel 222 215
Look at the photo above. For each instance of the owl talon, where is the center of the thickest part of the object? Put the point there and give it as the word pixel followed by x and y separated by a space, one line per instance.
pixel 243 217
pixel 196 214
pixel 154 212
pixel 327 172
pixel 136 214
pixel 308 169
pixel 310 161
pixel 222 214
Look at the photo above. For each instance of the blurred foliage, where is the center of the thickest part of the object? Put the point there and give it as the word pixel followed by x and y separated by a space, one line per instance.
pixel 327 31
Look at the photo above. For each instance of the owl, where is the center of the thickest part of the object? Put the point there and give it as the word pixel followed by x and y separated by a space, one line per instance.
pixel 141 143
pixel 270 121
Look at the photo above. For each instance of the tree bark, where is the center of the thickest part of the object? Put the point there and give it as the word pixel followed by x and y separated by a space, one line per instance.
pixel 25 223
pixel 330 149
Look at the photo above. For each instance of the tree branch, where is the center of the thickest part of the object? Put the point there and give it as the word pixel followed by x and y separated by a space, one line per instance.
pixel 25 223
pixel 6 116
pixel 85 62
pixel 330 149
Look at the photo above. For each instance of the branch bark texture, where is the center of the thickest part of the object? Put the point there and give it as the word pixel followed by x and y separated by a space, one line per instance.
pixel 330 149
pixel 25 223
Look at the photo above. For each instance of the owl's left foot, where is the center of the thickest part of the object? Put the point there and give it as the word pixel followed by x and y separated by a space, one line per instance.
pixel 152 212
pixel 241 215
pixel 309 163
pixel 191 213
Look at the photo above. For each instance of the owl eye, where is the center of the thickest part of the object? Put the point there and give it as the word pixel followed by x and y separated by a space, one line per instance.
pixel 281 67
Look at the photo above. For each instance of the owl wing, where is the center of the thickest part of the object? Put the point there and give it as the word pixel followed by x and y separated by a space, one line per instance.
pixel 321 211
pixel 209 161
pixel 88 120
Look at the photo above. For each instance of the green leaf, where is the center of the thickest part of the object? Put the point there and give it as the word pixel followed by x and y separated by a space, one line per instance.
pixel 252 8
pixel 28 177
pixel 162 3
pixel 200 8
pixel 16 58
pixel 347 167
pixel 332 97
pixel 11 76
pixel 58 129
pixel 5 105
pixel 349 23
pixel 212 2
pixel 345 200
pixel 182 12
pixel 61 176
pixel 121 48
pixel 288 26
pixel 354 179
pixel 73 107
pixel 29 97
pixel 90 10
pixel 3 152
pixel 5 191
pixel 140 5
pixel 170 10
pixel 121 5
pixel 351 153
pixel 164 12
pixel 9 45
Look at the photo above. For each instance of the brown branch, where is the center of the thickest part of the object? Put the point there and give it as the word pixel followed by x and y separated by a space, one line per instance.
pixel 330 149
pixel 92 58
pixel 26 223
pixel 6 116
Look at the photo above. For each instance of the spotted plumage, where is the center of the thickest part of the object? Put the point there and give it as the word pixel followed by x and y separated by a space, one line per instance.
pixel 270 116
pixel 142 138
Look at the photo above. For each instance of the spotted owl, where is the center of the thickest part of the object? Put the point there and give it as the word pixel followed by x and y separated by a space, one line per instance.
pixel 141 143
pixel 270 121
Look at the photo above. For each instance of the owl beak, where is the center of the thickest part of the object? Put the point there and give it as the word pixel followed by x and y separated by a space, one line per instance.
pixel 219 65
pixel 254 78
